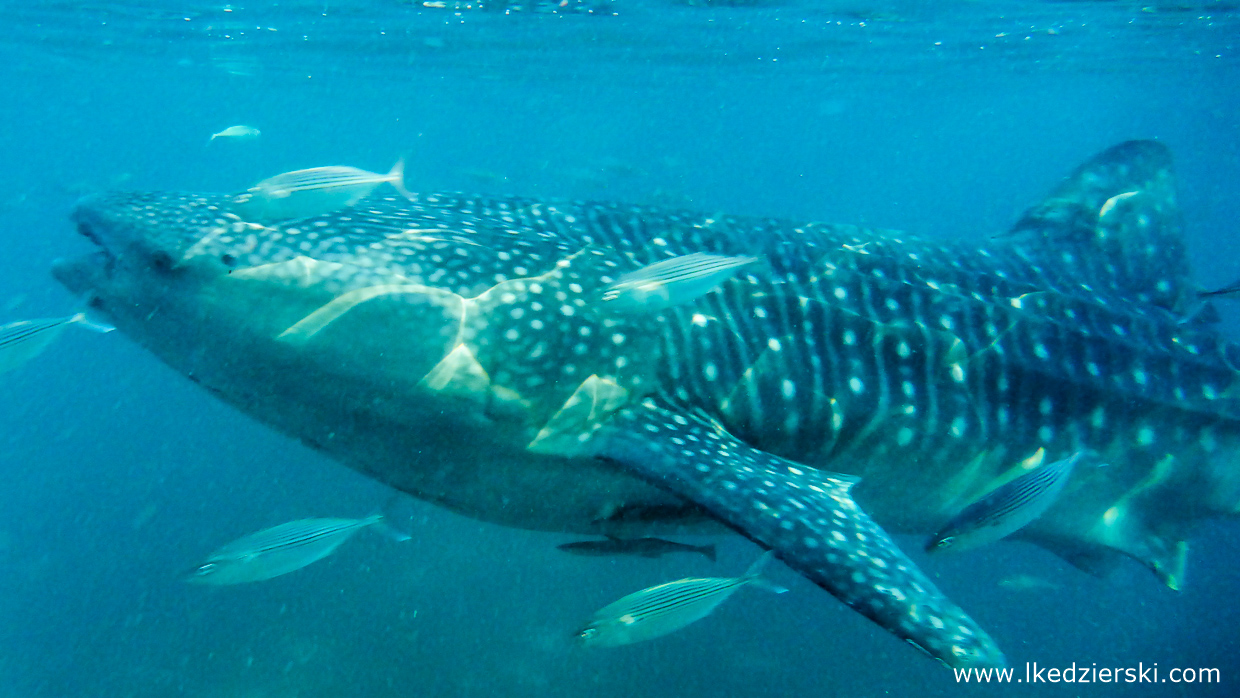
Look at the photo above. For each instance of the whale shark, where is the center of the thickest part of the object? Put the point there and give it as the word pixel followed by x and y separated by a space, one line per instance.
pixel 846 384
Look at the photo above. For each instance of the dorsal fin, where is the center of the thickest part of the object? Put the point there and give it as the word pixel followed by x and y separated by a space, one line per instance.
pixel 1114 226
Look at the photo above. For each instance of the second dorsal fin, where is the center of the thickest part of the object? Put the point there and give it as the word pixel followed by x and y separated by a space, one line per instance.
pixel 1113 225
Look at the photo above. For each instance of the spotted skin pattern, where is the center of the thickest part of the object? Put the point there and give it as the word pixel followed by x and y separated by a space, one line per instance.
pixel 931 370
pixel 807 516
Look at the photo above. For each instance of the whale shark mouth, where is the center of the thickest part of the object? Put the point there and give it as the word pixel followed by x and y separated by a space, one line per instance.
pixel 81 274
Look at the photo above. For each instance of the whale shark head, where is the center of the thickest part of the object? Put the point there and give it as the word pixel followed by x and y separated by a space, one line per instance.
pixel 404 338
pixel 153 234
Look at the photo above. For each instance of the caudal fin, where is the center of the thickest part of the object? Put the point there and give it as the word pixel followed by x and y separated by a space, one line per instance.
pixel 384 520
pixel 753 575
pixel 92 324
pixel 397 178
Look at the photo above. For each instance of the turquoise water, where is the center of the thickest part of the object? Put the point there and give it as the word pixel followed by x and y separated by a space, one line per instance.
pixel 942 119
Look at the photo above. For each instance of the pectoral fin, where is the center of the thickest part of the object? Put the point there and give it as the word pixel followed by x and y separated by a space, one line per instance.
pixel 807 516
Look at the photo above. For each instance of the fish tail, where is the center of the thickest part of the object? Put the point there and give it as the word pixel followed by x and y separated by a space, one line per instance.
pixel 397 177
pixel 380 523
pixel 91 324
pixel 755 569
pixel 767 585
pixel 708 551
pixel 382 520
pixel 753 575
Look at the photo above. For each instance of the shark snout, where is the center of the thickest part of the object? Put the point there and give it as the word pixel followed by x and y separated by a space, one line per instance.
pixel 82 275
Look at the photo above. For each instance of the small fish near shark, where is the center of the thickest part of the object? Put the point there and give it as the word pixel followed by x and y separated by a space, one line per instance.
pixel 643 547
pixel 23 340
pixel 313 192
pixel 854 382
pixel 281 549
pixel 1008 508
pixel 666 608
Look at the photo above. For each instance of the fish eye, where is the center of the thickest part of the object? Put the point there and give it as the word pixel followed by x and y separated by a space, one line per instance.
pixel 945 542
pixel 587 634
pixel 205 569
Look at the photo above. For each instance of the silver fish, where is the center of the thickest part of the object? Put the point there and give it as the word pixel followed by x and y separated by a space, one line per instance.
pixel 313 192
pixel 1007 509
pixel 278 550
pixel 645 547
pixel 23 340
pixel 666 608
pixel 672 282
pixel 240 133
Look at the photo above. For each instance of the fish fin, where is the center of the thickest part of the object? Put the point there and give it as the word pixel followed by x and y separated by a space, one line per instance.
pixel 1155 542
pixel 1170 563
pixel 805 515
pixel 397 177
pixel 1147 522
pixel 708 551
pixel 753 575
pixel 1114 223
pixel 86 321
pixel 756 568
pixel 1095 560
pixel 767 585
pixel 385 527
pixel 1165 556
pixel 1206 313
pixel 384 519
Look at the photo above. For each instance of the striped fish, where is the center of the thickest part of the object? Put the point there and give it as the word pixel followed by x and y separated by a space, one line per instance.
pixel 23 340
pixel 672 282
pixel 1007 509
pixel 313 192
pixel 278 550
pixel 666 608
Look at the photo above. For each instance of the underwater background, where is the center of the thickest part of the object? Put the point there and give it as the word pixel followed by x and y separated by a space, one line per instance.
pixel 945 119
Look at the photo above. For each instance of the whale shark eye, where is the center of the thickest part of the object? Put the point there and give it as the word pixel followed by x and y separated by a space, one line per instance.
pixel 162 261
pixel 205 569
pixel 946 542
